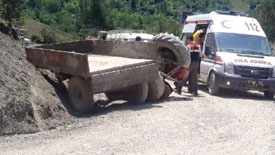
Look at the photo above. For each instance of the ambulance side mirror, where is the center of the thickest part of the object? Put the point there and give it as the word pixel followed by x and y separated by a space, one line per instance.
pixel 209 52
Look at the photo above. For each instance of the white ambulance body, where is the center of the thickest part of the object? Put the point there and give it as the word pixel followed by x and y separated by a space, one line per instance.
pixel 236 53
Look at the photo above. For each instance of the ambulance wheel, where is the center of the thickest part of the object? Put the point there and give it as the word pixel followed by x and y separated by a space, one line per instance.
pixel 213 88
pixel 269 94
pixel 156 89
pixel 80 95
pixel 136 94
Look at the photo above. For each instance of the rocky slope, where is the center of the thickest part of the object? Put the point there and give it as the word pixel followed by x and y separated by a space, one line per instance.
pixel 29 101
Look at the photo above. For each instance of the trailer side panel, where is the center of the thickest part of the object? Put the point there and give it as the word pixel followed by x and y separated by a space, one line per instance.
pixel 59 61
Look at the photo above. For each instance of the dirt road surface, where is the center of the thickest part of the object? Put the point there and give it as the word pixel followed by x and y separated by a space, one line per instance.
pixel 234 123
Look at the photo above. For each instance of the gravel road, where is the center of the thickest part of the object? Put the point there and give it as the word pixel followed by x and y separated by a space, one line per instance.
pixel 234 123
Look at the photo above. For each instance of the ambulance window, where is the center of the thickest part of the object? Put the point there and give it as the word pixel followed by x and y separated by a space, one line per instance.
pixel 210 45
pixel 183 37
pixel 201 26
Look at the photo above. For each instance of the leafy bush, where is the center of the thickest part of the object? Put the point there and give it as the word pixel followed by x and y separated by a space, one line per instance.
pixel 36 39
pixel 47 36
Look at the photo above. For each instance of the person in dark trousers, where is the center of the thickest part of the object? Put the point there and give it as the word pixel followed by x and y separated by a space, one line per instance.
pixel 201 43
pixel 195 53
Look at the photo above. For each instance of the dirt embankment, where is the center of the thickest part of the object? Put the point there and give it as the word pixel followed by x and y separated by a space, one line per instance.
pixel 29 102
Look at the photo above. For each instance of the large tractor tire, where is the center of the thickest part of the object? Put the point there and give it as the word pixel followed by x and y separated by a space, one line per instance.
pixel 172 52
pixel 136 94
pixel 80 95
pixel 156 89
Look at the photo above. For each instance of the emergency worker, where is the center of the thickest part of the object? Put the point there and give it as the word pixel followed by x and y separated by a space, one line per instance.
pixel 197 36
pixel 182 74
pixel 196 53
pixel 200 41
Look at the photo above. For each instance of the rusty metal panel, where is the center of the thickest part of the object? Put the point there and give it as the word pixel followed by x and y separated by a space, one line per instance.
pixel 110 48
pixel 77 46
pixel 111 80
pixel 59 61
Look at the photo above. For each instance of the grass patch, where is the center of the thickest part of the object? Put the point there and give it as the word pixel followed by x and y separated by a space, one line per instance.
pixel 32 27
pixel 240 5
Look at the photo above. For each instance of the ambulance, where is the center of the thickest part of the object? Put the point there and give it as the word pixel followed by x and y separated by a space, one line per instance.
pixel 126 35
pixel 236 51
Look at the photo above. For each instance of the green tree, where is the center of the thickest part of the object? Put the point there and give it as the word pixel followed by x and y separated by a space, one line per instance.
pixel 97 18
pixel 133 5
pixel 52 6
pixel 1 6
pixel 34 4
pixel 266 15
pixel 12 10
pixel 81 16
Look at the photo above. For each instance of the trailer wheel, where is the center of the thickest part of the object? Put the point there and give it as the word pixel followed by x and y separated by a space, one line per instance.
pixel 213 88
pixel 156 89
pixel 136 94
pixel 80 95
pixel 269 94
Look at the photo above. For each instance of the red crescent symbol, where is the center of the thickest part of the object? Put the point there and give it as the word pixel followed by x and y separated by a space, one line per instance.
pixel 223 24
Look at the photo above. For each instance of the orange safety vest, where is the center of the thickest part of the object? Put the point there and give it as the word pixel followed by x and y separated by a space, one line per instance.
pixel 194 51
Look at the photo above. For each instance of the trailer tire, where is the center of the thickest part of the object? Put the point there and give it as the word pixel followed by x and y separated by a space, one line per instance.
pixel 156 89
pixel 80 95
pixel 269 94
pixel 136 94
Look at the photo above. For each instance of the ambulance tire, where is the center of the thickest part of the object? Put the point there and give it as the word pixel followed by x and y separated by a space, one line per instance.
pixel 136 94
pixel 80 95
pixel 213 88
pixel 269 94
pixel 156 89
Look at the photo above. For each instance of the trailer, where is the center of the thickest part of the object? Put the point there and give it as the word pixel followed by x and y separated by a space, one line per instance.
pixel 125 70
